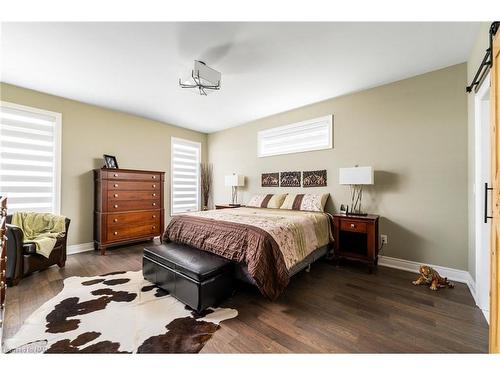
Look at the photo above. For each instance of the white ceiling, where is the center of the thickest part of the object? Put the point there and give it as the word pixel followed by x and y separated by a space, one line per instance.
pixel 266 68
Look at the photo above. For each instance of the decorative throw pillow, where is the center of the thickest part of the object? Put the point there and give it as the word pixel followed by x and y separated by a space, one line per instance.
pixel 266 200
pixel 305 202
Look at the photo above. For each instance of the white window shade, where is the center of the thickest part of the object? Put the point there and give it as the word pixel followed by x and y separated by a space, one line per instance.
pixel 30 157
pixel 185 176
pixel 310 135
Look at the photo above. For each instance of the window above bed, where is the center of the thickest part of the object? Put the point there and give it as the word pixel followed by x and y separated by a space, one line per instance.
pixel 185 181
pixel 309 135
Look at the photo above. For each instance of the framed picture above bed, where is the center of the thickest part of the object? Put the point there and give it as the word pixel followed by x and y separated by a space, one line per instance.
pixel 270 179
pixel 314 178
pixel 290 179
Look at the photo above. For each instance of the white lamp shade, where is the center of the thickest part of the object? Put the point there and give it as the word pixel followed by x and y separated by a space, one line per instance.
pixel 234 180
pixel 356 176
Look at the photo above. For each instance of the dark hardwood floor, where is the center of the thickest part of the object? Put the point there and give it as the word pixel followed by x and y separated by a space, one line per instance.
pixel 330 309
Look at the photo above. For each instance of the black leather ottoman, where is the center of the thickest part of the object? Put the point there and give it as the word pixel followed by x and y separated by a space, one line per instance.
pixel 195 277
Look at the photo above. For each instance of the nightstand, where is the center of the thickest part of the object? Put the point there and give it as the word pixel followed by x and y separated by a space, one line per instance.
pixel 356 238
pixel 222 206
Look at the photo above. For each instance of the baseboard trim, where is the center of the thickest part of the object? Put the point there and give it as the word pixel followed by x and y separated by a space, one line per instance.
pixel 486 314
pixel 83 247
pixel 460 276
pixel 80 248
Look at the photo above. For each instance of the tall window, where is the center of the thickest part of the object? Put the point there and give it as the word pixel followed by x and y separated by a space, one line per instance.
pixel 30 158
pixel 185 178
pixel 310 135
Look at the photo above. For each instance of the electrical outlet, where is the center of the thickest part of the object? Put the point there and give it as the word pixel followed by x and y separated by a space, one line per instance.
pixel 383 238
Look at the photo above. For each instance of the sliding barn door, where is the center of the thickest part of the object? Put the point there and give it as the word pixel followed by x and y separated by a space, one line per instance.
pixel 495 230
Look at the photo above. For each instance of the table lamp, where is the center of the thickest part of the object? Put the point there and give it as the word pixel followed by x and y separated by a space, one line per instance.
pixel 356 177
pixel 234 180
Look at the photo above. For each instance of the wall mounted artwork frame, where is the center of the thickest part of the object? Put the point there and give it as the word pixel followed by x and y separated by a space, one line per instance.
pixel 314 178
pixel 290 179
pixel 270 179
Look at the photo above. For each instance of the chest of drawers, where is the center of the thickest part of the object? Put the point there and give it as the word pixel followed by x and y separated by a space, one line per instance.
pixel 128 206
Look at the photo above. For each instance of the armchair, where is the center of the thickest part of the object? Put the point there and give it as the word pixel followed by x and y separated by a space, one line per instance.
pixel 22 259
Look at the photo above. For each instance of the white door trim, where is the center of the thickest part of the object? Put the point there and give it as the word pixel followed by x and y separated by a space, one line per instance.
pixel 482 283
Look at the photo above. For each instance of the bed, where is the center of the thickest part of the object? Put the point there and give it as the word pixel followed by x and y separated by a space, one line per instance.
pixel 268 245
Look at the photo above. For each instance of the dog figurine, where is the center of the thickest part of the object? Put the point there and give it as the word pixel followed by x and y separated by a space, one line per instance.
pixel 428 275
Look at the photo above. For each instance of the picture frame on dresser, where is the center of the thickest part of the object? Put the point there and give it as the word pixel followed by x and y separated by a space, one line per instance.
pixel 110 161
pixel 128 206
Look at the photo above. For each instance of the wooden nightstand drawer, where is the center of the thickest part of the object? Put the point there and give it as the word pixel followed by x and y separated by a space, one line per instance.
pixel 353 226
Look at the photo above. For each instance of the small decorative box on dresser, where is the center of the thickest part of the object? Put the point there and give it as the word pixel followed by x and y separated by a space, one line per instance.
pixel 3 261
pixel 356 238
pixel 128 206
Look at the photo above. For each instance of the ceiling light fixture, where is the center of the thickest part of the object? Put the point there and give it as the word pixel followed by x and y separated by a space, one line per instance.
pixel 203 78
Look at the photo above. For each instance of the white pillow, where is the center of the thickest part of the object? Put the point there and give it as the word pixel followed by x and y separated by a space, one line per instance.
pixel 266 200
pixel 305 202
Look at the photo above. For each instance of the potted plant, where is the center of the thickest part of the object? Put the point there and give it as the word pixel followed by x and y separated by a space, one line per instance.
pixel 206 183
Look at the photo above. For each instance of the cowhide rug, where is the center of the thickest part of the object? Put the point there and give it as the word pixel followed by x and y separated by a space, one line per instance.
pixel 118 312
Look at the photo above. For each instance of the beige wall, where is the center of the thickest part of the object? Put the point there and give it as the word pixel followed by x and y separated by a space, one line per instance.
pixel 413 132
pixel 88 132
pixel 475 58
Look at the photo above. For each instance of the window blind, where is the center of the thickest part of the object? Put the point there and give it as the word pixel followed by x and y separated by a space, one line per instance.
pixel 30 158
pixel 185 189
pixel 310 135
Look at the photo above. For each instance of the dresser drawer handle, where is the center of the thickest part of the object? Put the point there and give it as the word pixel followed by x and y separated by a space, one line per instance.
pixel 2 283
pixel 115 175
pixel 154 216
pixel 153 177
pixel 115 233
pixel 154 194
pixel 154 226
pixel 154 204
pixel 353 226
pixel 115 206
pixel 154 185
pixel 115 185
pixel 115 195
pixel 115 220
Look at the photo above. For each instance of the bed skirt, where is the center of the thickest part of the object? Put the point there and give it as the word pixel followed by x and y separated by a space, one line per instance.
pixel 241 270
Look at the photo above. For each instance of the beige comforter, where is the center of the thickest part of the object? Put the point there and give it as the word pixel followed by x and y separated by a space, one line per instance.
pixel 297 233
pixel 270 242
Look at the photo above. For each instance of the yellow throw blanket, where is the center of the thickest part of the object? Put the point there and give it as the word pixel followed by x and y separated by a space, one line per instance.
pixel 41 229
